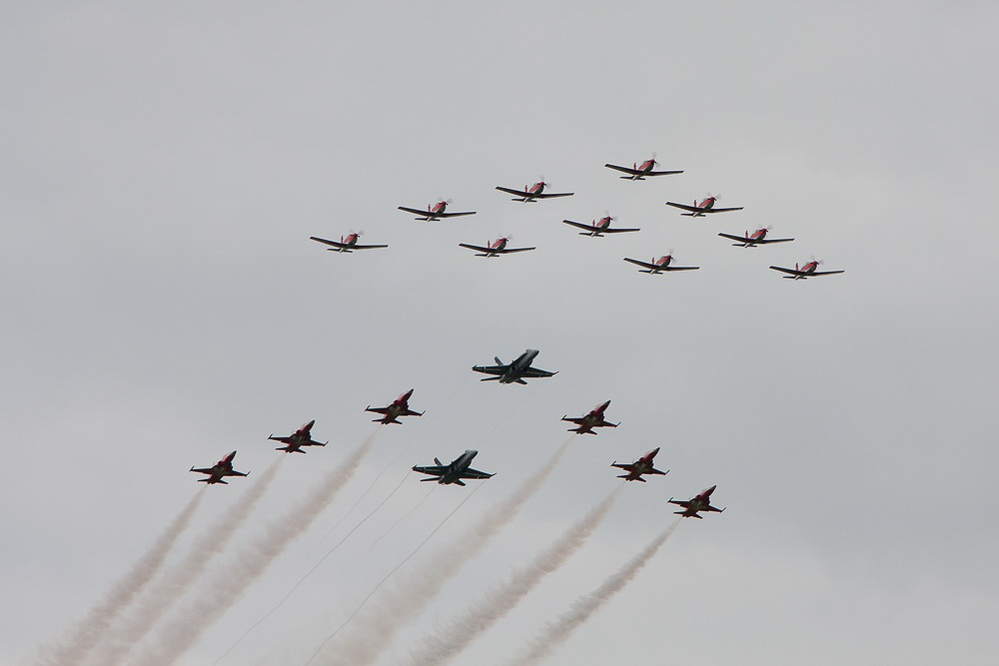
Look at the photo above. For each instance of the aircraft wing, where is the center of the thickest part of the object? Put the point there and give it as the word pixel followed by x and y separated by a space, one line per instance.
pixel 517 193
pixel 490 369
pixel 203 470
pixel 283 440
pixel 335 244
pixel 366 247
pixel 826 272
pixel 477 248
pixel 433 470
pixel 789 271
pixel 692 209
pixel 511 250
pixel 643 264
pixel 628 467
pixel 410 412
pixel 663 173
pixel 470 212
pixel 721 210
pixel 417 211
pixel 679 268
pixel 233 472
pixel 765 241
pixel 377 410
pixel 684 503
pixel 617 231
pixel 470 473
pixel 538 372
pixel 627 170
pixel 580 225
pixel 552 195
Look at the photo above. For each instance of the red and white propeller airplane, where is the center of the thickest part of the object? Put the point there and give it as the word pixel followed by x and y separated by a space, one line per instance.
pixel 661 265
pixel 400 407
pixel 641 172
pixel 495 248
pixel 296 440
pixel 534 192
pixel 701 209
pixel 347 243
pixel 595 419
pixel 700 502
pixel 218 470
pixel 758 237
pixel 598 227
pixel 804 272
pixel 435 212
pixel 644 465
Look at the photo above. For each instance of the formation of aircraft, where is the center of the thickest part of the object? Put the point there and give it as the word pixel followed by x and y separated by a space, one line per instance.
pixel 347 243
pixel 294 442
pixel 644 465
pixel 805 272
pixel 641 171
pixel 595 419
pixel 701 209
pixel 219 470
pixel 435 212
pixel 758 237
pixel 534 192
pixel 391 413
pixel 699 502
pixel 454 471
pixel 495 248
pixel 598 227
pixel 663 264
pixel 515 372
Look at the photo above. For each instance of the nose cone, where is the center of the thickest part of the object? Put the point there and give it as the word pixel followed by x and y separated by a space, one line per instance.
pixel 309 424
pixel 471 453
pixel 653 452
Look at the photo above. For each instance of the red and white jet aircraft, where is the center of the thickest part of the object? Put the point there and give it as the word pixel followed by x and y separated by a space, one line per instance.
pixel 495 248
pixel 534 192
pixel 660 265
pixel 347 243
pixel 435 212
pixel 218 470
pixel 701 209
pixel 759 237
pixel 699 502
pixel 296 440
pixel 392 412
pixel 805 272
pixel 598 227
pixel 641 172
pixel 595 419
pixel 644 465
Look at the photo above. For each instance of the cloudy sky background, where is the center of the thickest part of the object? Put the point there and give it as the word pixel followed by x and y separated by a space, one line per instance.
pixel 163 168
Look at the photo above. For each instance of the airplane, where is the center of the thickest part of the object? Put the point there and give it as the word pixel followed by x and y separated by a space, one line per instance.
pixel 534 192
pixel 496 248
pixel 699 502
pixel 803 273
pixel 701 209
pixel 598 227
pixel 642 172
pixel 295 441
pixel 347 243
pixel 517 371
pixel 218 470
pixel 643 465
pixel 759 237
pixel 595 419
pixel 435 212
pixel 392 412
pixel 454 471
pixel 659 265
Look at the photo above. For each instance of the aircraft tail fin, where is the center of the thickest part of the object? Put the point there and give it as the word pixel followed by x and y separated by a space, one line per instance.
pixel 431 478
pixel 459 482
pixel 498 361
pixel 438 462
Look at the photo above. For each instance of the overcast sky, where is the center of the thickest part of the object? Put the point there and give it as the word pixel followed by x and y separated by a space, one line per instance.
pixel 162 169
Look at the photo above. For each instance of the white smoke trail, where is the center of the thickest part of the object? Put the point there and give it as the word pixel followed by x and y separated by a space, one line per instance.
pixel 245 567
pixel 374 629
pixel 555 633
pixel 74 648
pixel 500 600
pixel 123 638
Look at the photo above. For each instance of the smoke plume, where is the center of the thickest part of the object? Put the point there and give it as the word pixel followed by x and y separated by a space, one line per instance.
pixel 500 600
pixel 124 637
pixel 245 567
pixel 77 645
pixel 555 633
pixel 373 630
